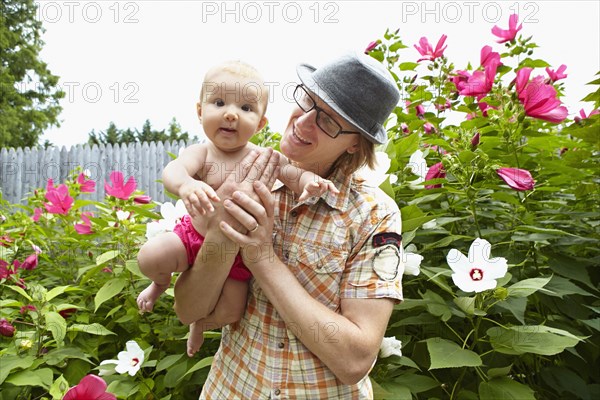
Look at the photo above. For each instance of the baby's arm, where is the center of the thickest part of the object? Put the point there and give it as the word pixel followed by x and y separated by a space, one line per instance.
pixel 304 183
pixel 178 178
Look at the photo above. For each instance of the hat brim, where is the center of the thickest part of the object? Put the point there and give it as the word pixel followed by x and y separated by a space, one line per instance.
pixel 305 73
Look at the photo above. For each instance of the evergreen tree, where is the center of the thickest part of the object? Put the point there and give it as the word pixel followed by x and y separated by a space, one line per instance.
pixel 29 96
pixel 114 135
pixel 175 133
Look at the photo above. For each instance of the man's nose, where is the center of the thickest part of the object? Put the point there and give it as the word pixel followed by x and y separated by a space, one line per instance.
pixel 308 120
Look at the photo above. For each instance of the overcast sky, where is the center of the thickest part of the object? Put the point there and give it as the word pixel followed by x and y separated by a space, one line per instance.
pixel 129 61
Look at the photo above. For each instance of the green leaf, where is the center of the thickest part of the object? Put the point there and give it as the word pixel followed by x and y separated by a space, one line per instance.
pixel 436 305
pixel 140 210
pixel 516 305
pixel 537 339
pixel 387 187
pixel 506 198
pixel 408 66
pixel 433 274
pixel 561 287
pixel 411 212
pixel 528 286
pixel 205 362
pixel 395 391
pixel 407 145
pixel 505 389
pixel 467 304
pixel 52 293
pixel 20 291
pixel 39 377
pixel 416 383
pixel 498 372
pixel 56 324
pixel 106 257
pixel 59 388
pixel 10 362
pixel 528 62
pixel 92 329
pixel 174 374
pixel 122 388
pixel 57 356
pixel 592 323
pixel 414 223
pixel 108 291
pixel 133 267
pixel 168 361
pixel 446 354
pixel 537 229
pixel 562 380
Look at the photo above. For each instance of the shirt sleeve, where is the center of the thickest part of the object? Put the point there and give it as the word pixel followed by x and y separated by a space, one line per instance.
pixel 376 269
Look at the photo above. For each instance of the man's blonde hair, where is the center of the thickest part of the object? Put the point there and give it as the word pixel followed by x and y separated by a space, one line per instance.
pixel 240 69
pixel 364 156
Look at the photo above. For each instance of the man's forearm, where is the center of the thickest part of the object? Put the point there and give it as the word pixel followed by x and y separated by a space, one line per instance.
pixel 197 290
pixel 346 347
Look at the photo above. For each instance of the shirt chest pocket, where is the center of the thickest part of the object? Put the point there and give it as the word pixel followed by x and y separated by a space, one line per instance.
pixel 320 271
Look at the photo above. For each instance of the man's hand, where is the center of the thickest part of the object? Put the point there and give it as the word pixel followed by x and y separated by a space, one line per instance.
pixel 257 166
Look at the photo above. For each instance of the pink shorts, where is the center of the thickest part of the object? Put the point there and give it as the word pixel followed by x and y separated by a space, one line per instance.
pixel 192 241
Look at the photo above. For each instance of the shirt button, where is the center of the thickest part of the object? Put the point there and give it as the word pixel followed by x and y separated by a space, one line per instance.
pixel 294 213
pixel 277 392
pixel 280 345
pixel 286 255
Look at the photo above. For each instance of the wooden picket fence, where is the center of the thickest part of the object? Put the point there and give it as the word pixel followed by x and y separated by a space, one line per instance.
pixel 23 170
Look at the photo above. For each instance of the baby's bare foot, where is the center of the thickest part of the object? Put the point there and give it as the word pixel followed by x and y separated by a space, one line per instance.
pixel 148 297
pixel 195 340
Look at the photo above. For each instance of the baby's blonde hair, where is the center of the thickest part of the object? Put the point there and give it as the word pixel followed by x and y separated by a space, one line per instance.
pixel 243 70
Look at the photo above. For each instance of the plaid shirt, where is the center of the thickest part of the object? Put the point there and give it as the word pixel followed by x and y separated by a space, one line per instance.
pixel 328 244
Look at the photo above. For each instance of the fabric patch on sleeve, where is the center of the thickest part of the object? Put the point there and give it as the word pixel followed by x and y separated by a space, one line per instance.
pixel 386 262
pixel 387 238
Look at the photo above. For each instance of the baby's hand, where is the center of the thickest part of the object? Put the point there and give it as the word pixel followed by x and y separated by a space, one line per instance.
pixel 197 196
pixel 317 188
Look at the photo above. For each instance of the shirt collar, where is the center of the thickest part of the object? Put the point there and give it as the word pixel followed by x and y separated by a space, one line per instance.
pixel 342 181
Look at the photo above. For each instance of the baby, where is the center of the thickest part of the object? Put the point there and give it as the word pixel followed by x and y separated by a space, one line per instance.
pixel 232 107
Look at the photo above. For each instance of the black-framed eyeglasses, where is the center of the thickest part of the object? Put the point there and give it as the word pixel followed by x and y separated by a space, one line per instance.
pixel 324 121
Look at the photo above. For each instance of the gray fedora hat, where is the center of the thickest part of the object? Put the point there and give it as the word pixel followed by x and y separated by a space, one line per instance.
pixel 357 87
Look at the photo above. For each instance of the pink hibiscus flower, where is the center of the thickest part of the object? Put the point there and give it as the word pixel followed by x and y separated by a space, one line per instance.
pixel 506 35
pixel 86 227
pixel 87 185
pixel 59 201
pixel 91 387
pixel 434 172
pixel 119 189
pixel 539 98
pixel 558 74
pixel 428 52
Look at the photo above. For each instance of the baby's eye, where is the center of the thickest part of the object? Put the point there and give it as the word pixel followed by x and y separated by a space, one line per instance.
pixel 219 103
pixel 247 107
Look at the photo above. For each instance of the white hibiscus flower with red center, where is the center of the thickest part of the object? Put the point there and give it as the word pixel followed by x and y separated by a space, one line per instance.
pixel 477 272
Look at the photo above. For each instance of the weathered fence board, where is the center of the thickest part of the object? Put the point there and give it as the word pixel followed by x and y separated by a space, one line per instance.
pixel 23 170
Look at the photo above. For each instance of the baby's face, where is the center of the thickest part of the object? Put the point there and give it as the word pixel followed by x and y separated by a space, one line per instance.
pixel 232 109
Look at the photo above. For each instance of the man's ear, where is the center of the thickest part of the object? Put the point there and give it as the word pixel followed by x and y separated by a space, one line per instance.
pixel 199 110
pixel 353 148
pixel 262 123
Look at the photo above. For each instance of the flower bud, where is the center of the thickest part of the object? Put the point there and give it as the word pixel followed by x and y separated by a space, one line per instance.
pixel 515 178
pixel 475 141
pixel 500 293
pixel 6 328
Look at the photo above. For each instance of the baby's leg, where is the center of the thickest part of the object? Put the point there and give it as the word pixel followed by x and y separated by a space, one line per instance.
pixel 158 258
pixel 230 308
